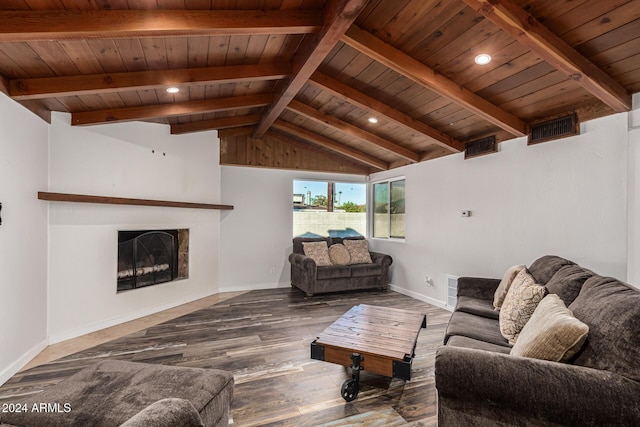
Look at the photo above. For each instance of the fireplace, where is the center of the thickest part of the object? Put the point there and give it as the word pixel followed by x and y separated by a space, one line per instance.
pixel 151 257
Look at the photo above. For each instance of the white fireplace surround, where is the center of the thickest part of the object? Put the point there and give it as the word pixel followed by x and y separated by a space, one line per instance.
pixel 136 160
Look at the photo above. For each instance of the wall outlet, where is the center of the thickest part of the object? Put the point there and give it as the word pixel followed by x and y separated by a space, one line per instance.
pixel 273 271
pixel 428 281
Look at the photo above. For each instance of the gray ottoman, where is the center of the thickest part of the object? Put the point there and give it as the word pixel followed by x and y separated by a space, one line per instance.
pixel 111 392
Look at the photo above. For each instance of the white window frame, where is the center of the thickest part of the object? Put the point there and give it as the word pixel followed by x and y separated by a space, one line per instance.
pixel 371 210
pixel 339 181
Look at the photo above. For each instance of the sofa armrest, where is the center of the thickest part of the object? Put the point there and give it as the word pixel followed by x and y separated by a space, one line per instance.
pixel 302 261
pixel 550 391
pixel 382 259
pixel 477 287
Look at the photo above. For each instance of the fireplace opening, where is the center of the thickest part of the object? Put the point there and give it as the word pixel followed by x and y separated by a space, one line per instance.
pixel 150 257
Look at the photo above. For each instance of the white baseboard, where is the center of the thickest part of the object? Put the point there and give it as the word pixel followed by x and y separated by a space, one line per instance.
pixel 12 369
pixel 274 285
pixel 107 323
pixel 418 296
pixel 255 286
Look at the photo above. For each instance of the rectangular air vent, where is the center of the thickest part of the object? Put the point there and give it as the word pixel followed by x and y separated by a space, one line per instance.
pixel 452 291
pixel 480 147
pixel 554 129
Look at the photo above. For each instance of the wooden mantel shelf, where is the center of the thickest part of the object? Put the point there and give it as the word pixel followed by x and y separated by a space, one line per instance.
pixel 82 198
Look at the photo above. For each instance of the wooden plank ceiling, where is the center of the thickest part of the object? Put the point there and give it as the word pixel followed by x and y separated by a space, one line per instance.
pixel 282 77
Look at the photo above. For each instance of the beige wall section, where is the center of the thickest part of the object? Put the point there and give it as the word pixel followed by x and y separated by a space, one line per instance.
pixel 23 236
pixel 566 197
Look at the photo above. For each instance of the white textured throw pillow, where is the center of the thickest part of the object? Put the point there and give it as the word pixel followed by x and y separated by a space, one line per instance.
pixel 552 333
pixel 521 301
pixel 505 284
pixel 317 251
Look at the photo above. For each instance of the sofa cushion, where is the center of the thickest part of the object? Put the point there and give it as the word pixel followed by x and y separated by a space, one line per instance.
pixel 478 328
pixel 359 251
pixel 611 309
pixel 339 254
pixel 466 342
pixel 333 272
pixel 545 267
pixel 505 284
pixel 568 281
pixel 317 251
pixel 521 300
pixel 366 270
pixel 476 306
pixel 552 333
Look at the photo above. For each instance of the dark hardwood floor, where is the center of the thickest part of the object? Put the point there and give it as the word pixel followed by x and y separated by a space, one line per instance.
pixel 263 337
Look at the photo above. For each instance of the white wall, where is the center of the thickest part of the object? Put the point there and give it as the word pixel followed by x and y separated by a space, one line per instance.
pixel 256 236
pixel 633 267
pixel 118 160
pixel 566 197
pixel 23 237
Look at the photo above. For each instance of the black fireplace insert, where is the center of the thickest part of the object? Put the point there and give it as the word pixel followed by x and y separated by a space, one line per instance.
pixel 146 258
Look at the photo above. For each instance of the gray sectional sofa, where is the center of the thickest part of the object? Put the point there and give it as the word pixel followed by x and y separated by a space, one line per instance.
pixel 113 393
pixel 313 279
pixel 480 383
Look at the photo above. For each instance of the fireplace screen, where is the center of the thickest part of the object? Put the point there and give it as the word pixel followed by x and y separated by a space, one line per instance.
pixel 146 258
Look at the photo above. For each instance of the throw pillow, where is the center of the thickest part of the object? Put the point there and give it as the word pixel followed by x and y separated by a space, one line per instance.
pixel 505 284
pixel 519 304
pixel 552 333
pixel 339 254
pixel 317 251
pixel 358 250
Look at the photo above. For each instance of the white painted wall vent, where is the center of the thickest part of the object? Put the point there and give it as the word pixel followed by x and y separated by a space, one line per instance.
pixel 452 291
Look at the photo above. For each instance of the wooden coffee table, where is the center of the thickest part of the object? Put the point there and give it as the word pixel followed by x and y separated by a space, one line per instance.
pixel 381 340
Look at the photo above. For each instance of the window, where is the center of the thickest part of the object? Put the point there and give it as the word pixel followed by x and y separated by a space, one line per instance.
pixel 326 208
pixel 389 209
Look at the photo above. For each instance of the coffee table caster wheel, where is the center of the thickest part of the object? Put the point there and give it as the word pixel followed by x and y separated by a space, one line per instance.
pixel 349 390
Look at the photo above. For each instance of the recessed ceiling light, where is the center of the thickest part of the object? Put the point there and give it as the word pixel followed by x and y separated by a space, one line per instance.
pixel 483 59
pixel 173 89
pixel 373 120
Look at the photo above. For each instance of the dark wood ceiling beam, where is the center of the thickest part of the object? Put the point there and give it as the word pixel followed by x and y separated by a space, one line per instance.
pixel 82 24
pixel 338 15
pixel 37 88
pixel 215 124
pixel 359 99
pixel 330 144
pixel 354 131
pixel 402 63
pixel 167 110
pixel 4 84
pixel 508 16
pixel 239 131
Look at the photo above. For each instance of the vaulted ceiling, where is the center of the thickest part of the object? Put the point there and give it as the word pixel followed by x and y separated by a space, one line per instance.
pixel 312 72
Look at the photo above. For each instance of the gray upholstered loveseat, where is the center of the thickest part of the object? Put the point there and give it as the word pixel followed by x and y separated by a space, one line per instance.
pixel 113 393
pixel 479 383
pixel 314 279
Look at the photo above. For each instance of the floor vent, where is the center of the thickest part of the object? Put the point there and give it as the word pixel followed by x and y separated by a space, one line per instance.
pixel 480 147
pixel 452 291
pixel 554 129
